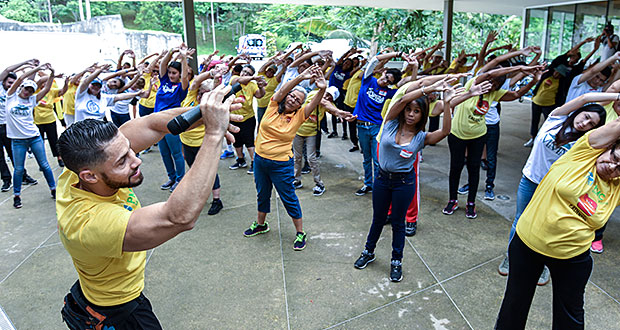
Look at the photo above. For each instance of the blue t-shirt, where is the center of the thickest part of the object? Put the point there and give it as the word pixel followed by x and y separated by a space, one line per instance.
pixel 169 94
pixel 338 77
pixel 371 99
pixel 394 157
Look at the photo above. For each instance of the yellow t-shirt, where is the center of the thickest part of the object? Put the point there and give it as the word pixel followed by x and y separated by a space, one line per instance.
pixel 460 69
pixel 92 229
pixel 309 127
pixel 546 92
pixel 149 102
pixel 247 92
pixel 569 204
pixel 611 113
pixel 194 136
pixel 68 103
pixel 431 107
pixel 353 90
pixel 275 136
pixel 468 122
pixel 44 111
pixel 270 89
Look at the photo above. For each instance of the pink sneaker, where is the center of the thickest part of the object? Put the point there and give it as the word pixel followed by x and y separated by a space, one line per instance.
pixel 597 246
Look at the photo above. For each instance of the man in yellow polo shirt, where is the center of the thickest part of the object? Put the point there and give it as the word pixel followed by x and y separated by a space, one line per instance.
pixel 101 222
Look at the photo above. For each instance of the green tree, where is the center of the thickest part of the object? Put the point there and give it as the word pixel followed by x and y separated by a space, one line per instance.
pixel 21 10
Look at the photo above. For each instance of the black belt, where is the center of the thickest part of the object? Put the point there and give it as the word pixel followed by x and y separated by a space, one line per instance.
pixel 393 175
pixel 365 123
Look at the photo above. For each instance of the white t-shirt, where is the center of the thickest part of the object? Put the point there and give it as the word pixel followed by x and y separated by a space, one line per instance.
pixel 545 152
pixel 606 51
pixel 89 106
pixel 19 119
pixel 2 105
pixel 576 89
pixel 121 107
pixel 289 74
pixel 492 117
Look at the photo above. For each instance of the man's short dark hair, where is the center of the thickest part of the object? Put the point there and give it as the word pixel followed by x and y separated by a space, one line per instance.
pixel 606 72
pixel 396 74
pixel 10 75
pixel 237 68
pixel 82 144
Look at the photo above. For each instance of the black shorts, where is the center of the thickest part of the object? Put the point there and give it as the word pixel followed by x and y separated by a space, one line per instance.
pixel 246 133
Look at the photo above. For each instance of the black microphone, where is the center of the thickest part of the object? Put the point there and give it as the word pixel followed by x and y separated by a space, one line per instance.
pixel 182 122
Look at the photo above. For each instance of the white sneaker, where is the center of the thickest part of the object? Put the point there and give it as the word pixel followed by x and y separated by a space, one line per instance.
pixel 529 143
pixel 318 190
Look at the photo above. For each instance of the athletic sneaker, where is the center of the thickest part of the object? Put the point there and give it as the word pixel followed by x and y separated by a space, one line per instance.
pixel 53 193
pixel 167 185
pixel 318 190
pixel 29 180
pixel 251 168
pixel 363 191
pixel 364 259
pixel 489 194
pixel 256 229
pixel 300 242
pixel 470 211
pixel 463 190
pixel 306 169
pixel 6 186
pixel 411 228
pixel 503 267
pixel 17 202
pixel 597 246
pixel 396 271
pixel 345 137
pixel 227 154
pixel 544 277
pixel 239 163
pixel 174 186
pixel 452 206
pixel 216 207
pixel 354 149
pixel 529 143
pixel 297 184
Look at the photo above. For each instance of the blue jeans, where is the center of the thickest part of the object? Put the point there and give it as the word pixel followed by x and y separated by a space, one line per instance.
pixel 368 142
pixel 524 196
pixel 119 118
pixel 269 173
pixel 398 192
pixel 492 145
pixel 260 112
pixel 20 146
pixel 170 148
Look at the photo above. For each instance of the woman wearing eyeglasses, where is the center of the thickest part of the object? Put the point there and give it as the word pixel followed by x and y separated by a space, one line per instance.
pixel 469 129
pixel 273 159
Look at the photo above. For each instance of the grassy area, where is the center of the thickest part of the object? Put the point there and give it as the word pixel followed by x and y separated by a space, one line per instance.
pixel 222 38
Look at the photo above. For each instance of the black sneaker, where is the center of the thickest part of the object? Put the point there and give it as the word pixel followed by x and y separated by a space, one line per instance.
pixel 363 191
pixel 345 137
pixel 17 202
pixel 396 271
pixel 256 229
pixel 6 186
pixel 411 228
pixel 318 154
pixel 354 149
pixel 452 206
pixel 53 193
pixel 364 259
pixel 251 168
pixel 318 190
pixel 306 169
pixel 239 163
pixel 332 135
pixel 28 180
pixel 300 242
pixel 470 211
pixel 167 185
pixel 216 207
pixel 297 184
pixel 388 220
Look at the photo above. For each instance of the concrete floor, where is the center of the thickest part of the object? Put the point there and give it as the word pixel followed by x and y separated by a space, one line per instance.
pixel 213 277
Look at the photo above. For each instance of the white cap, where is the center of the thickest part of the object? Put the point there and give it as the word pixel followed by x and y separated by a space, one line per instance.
pixel 438 53
pixel 29 83
pixel 333 91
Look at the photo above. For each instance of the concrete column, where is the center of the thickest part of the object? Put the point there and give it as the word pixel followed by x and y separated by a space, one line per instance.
pixel 189 25
pixel 448 13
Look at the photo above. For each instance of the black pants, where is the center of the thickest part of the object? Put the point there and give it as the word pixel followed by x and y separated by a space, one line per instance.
pixel 189 153
pixel 458 148
pixel 5 143
pixel 569 278
pixel 538 110
pixel 51 132
pixel 352 125
pixel 433 124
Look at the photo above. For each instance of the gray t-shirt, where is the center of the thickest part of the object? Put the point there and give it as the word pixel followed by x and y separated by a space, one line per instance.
pixel 394 157
pixel 2 105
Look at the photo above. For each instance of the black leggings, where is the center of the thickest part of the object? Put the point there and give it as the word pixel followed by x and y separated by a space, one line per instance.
pixel 433 124
pixel 458 148
pixel 352 125
pixel 569 278
pixel 51 132
pixel 538 110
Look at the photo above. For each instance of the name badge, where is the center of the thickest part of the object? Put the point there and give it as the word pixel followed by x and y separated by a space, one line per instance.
pixel 406 154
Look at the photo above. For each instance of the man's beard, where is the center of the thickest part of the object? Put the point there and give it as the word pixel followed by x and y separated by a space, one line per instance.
pixel 118 184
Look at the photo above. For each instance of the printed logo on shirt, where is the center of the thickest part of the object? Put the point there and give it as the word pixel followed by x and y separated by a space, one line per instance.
pixel 482 107
pixel 405 153
pixel 339 75
pixel 169 89
pixel 549 143
pixel 92 107
pixel 378 97
pixel 20 110
pixel 587 205
pixel 590 178
pixel 131 199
